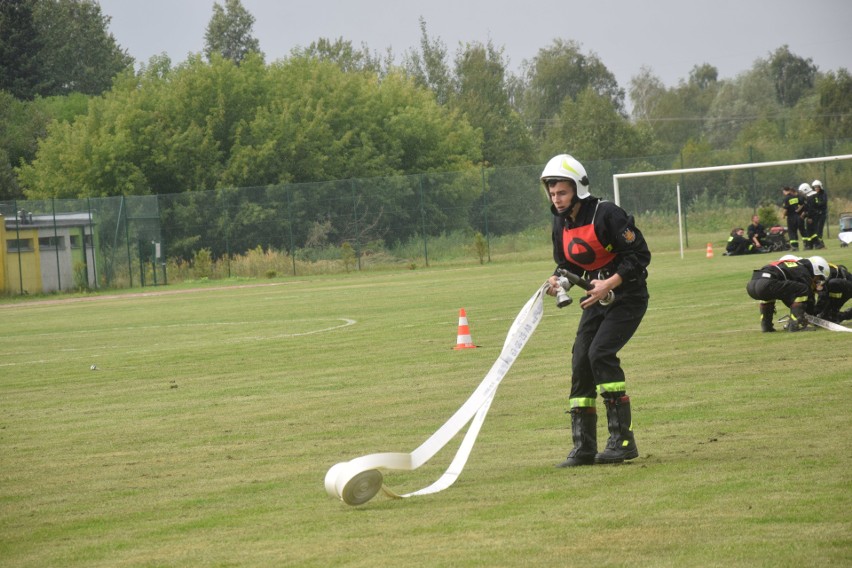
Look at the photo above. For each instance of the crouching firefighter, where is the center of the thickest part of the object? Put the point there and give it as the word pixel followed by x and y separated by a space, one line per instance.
pixel 836 292
pixel 795 282
pixel 598 241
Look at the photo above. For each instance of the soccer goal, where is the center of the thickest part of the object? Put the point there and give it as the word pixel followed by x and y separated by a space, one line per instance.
pixel 751 165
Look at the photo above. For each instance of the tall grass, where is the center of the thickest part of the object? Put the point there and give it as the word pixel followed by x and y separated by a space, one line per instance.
pixel 203 433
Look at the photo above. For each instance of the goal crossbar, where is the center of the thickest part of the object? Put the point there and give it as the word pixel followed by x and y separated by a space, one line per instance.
pixel 616 177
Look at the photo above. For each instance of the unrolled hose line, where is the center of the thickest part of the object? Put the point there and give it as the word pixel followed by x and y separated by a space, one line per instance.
pixel 357 481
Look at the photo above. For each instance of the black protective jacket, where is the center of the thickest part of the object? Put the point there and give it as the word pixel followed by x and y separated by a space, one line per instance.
pixel 616 231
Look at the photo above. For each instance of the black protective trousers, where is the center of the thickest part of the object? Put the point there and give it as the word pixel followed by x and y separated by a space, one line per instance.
pixel 602 332
pixel 794 224
pixel 772 289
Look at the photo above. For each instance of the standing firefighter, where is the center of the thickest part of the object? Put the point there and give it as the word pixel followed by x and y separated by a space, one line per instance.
pixel 792 206
pixel 819 211
pixel 794 282
pixel 597 240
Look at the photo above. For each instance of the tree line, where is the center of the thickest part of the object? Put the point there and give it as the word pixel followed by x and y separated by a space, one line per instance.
pixel 80 118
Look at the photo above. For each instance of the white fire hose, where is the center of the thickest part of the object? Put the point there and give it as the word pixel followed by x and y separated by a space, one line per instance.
pixel 355 482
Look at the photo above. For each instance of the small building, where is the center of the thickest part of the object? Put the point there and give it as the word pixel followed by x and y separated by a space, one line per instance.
pixel 47 253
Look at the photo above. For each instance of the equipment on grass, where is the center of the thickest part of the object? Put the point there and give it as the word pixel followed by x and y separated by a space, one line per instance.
pixel 825 324
pixel 582 283
pixel 355 482
pixel 845 234
pixel 776 239
pixel 463 339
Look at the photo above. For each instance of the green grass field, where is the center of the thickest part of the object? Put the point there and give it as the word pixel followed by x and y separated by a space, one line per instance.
pixel 203 436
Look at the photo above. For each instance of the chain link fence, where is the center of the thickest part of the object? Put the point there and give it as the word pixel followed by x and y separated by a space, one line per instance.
pixel 275 230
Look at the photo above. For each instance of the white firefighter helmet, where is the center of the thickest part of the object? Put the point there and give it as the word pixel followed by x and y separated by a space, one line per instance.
pixel 820 266
pixel 805 188
pixel 816 183
pixel 566 167
pixel 790 257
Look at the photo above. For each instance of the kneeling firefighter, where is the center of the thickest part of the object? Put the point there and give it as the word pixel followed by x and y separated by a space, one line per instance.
pixel 795 282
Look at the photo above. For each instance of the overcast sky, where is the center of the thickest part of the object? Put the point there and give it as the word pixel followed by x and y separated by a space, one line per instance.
pixel 669 36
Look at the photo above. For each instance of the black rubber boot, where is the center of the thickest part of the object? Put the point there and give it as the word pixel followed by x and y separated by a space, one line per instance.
pixel 798 321
pixel 767 312
pixel 844 315
pixel 584 433
pixel 621 444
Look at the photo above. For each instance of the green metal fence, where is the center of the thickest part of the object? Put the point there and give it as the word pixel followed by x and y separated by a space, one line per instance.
pixel 139 240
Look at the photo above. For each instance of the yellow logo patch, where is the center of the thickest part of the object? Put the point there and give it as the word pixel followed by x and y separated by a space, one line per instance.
pixel 628 236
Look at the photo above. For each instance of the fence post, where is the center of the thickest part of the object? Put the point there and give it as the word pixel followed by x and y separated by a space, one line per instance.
pixel 96 283
pixel 290 227
pixel 56 246
pixel 485 214
pixel 685 215
pixel 355 219
pixel 18 238
pixel 127 240
pixel 423 221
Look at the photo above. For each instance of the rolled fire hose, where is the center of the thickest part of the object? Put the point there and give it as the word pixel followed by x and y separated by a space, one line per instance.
pixel 357 481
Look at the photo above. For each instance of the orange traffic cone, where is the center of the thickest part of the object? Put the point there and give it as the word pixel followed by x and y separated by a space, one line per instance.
pixel 464 341
pixel 709 250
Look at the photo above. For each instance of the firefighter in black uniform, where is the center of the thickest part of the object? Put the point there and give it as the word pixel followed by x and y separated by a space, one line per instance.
pixel 837 291
pixel 599 241
pixel 820 209
pixel 792 206
pixel 809 215
pixel 794 282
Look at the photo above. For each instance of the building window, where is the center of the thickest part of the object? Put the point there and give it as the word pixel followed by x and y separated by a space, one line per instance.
pixel 19 245
pixel 51 243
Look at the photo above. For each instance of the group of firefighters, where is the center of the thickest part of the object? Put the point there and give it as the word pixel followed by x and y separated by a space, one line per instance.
pixel 805 210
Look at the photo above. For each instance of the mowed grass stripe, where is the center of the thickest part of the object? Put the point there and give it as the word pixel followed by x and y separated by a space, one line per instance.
pixel 204 434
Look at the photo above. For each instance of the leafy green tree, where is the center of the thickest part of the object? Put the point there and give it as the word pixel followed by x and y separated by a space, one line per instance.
pixel 430 67
pixel 593 128
pixel 162 131
pixel 736 104
pixel 482 95
pixel 646 91
pixel 835 105
pixel 342 53
pixel 20 45
pixel 559 72
pixel 793 76
pixel 229 32
pixel 675 115
pixel 22 124
pixel 56 47
pixel 78 53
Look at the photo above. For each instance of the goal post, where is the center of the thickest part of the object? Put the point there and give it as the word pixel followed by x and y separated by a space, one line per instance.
pixel 617 177
pixel 750 165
